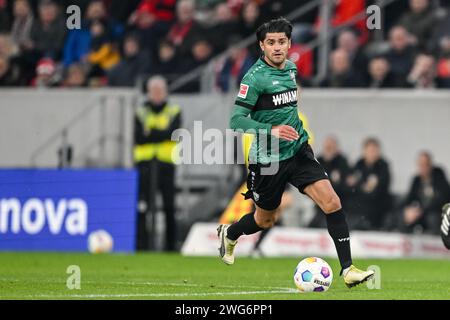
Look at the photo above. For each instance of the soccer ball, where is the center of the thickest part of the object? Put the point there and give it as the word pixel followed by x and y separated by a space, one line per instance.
pixel 313 275
pixel 100 241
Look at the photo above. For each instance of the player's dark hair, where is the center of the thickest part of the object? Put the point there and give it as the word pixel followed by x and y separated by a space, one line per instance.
pixel 274 26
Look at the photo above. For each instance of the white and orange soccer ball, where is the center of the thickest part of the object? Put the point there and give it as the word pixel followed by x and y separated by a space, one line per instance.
pixel 313 275
pixel 100 241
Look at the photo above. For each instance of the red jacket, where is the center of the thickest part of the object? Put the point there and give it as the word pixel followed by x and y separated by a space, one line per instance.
pixel 163 10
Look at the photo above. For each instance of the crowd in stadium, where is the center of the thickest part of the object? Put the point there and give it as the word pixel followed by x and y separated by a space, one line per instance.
pixel 120 43
pixel 365 187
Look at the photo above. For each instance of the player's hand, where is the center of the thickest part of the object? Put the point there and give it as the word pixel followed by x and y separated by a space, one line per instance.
pixel 284 132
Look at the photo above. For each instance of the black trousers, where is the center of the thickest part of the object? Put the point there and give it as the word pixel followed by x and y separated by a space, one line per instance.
pixel 157 176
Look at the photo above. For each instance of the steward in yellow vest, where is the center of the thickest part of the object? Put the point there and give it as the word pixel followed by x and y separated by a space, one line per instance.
pixel 153 126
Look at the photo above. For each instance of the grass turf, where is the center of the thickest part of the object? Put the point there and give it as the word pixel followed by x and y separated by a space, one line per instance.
pixel 172 276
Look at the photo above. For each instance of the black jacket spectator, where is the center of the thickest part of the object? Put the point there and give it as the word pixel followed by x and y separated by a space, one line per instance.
pixel 419 22
pixel 429 191
pixel 371 199
pixel 341 74
pixel 337 169
pixel 400 56
pixel 48 32
pixel 379 74
pixel 432 195
pixel 134 64
pixel 167 62
pixel 9 73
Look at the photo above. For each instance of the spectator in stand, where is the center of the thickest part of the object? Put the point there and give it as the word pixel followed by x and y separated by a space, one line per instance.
pixel 419 21
pixel 7 47
pixel 46 75
pixel 443 66
pixel 75 77
pixel 233 68
pixel 167 62
pixel 103 55
pixel 120 10
pixel 440 44
pixel 48 32
pixel 225 24
pixel 249 21
pixel 348 41
pixel 12 68
pixel 78 41
pixel 369 181
pixel 400 55
pixel 4 17
pixel 336 165
pixel 9 74
pixel 429 191
pixel 21 37
pixel 23 21
pixel 346 10
pixel 441 34
pixel 153 19
pixel 423 73
pixel 341 74
pixel 201 53
pixel 303 58
pixel 134 64
pixel 185 29
pixel 379 73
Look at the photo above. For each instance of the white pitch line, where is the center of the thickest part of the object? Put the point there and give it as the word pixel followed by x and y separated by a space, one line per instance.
pixel 177 284
pixel 125 295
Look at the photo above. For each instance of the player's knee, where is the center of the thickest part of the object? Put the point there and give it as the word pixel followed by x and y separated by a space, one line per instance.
pixel 331 204
pixel 265 221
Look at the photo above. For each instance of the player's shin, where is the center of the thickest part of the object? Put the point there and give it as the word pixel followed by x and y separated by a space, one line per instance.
pixel 338 230
pixel 246 225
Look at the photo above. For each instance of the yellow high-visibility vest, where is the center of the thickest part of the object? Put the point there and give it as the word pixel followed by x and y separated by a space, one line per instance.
pixel 163 151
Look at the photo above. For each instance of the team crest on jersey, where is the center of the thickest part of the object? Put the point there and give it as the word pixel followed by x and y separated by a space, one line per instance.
pixel 292 74
pixel 243 91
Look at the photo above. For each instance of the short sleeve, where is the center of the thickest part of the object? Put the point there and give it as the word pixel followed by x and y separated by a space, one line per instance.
pixel 248 93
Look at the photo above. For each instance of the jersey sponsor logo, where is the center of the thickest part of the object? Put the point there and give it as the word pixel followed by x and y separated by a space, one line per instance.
pixel 283 98
pixel 243 91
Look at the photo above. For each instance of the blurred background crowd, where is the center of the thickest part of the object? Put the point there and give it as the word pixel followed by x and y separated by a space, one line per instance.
pixel 122 43
pixel 365 187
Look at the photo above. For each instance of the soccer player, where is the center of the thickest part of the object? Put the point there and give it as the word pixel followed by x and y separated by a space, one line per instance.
pixel 268 93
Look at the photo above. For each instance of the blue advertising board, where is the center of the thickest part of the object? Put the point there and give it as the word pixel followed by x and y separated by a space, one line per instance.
pixel 56 210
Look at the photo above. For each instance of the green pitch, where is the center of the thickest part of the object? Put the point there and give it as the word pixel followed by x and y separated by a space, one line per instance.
pixel 166 276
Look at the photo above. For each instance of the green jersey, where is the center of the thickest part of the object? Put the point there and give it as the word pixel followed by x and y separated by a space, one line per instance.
pixel 269 96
